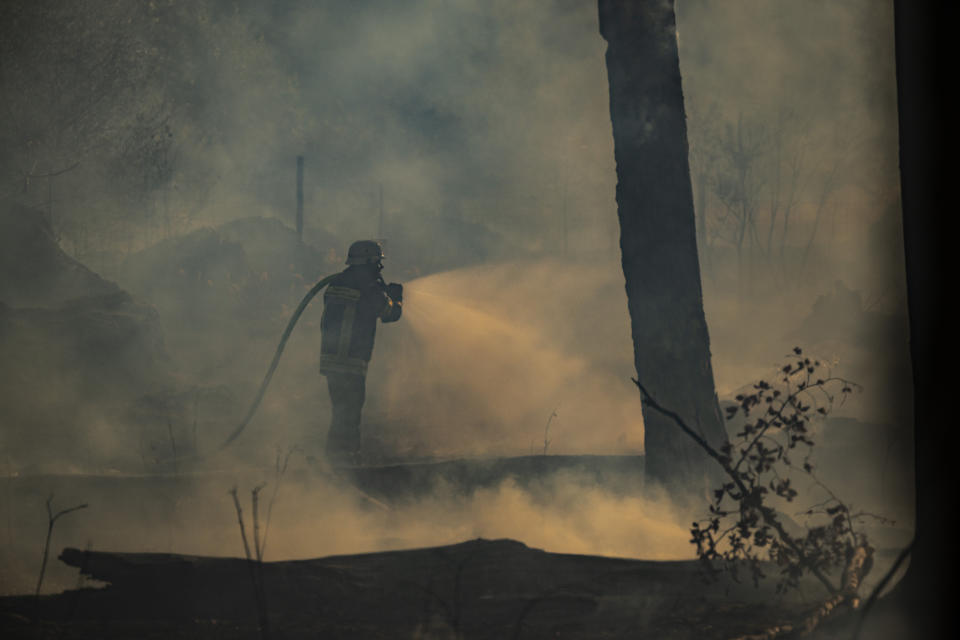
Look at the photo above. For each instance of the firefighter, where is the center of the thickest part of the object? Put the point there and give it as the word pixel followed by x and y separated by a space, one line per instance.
pixel 353 302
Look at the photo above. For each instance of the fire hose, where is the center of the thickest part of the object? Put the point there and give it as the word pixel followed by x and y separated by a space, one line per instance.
pixel 317 288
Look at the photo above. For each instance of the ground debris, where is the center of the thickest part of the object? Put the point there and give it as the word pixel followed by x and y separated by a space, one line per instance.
pixel 475 589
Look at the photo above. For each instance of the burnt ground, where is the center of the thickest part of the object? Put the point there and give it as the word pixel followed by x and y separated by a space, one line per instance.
pixel 475 589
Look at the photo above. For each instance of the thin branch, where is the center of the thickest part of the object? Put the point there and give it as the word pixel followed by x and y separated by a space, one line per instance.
pixel 866 514
pixel 255 499
pixel 546 430
pixel 255 575
pixel 281 469
pixel 243 530
pixel 51 521
pixel 51 174
pixel 653 404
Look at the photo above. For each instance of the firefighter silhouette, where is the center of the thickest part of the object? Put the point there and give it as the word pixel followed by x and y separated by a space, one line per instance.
pixel 353 302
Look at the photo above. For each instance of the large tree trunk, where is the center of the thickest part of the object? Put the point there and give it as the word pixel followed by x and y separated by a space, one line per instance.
pixel 658 237
pixel 920 50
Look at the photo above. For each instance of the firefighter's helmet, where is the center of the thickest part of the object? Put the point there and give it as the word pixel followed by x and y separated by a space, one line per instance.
pixel 365 252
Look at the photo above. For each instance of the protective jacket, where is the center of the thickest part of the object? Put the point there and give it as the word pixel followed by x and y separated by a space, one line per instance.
pixel 352 303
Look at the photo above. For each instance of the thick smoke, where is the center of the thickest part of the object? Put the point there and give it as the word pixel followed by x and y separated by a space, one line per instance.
pixel 474 138
pixel 486 356
pixel 312 518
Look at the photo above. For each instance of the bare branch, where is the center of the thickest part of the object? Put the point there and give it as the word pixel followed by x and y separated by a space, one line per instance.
pixel 51 521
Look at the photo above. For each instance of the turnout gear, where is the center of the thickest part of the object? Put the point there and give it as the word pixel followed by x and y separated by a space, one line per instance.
pixel 347 392
pixel 353 302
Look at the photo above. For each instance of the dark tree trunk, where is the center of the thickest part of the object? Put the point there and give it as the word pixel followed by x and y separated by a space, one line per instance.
pixel 920 70
pixel 658 236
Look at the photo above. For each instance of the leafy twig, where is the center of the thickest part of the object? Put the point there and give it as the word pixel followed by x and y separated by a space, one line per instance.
pixel 779 425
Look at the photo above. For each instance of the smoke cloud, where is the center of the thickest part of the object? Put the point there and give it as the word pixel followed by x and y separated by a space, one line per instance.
pixel 485 357
pixel 313 518
pixel 473 138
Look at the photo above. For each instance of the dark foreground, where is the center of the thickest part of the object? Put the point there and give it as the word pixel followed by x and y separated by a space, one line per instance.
pixel 476 589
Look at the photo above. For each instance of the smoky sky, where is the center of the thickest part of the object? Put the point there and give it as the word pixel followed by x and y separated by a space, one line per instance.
pixel 492 114
pixel 492 111
pixel 498 112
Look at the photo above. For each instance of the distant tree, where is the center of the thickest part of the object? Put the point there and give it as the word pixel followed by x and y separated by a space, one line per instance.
pixel 754 175
pixel 830 178
pixel 788 168
pixel 738 186
pixel 703 128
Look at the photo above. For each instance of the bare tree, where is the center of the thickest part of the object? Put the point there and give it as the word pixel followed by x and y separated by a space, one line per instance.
pixel 754 175
pixel 739 186
pixel 703 128
pixel 786 165
pixel 845 140
pixel 658 236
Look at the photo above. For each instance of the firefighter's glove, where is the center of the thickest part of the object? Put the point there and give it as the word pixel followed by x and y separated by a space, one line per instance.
pixel 395 291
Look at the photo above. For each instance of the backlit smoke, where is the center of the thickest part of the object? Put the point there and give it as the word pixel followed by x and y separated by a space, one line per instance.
pixel 485 357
